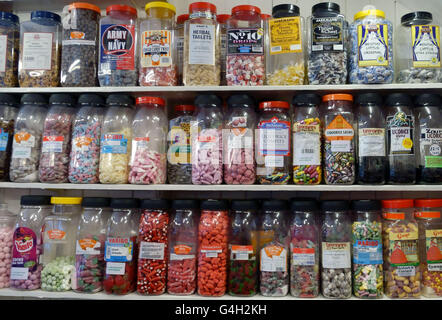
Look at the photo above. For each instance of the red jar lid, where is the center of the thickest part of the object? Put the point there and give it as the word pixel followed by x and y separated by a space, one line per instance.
pixel 182 18
pixel 428 203
pixel 246 8
pixel 397 203
pixel 222 18
pixel 185 107
pixel 122 8
pixel 274 104
pixel 337 97
pixel 150 100
pixel 265 16
pixel 202 6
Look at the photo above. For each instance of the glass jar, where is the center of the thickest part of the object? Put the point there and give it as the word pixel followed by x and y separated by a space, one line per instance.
pixel 158 60
pixel 339 139
pixel 28 242
pixel 272 140
pixel 28 131
pixel 202 54
pixel 274 246
pixel 222 21
pixel 10 35
pixel 285 56
pixel 372 158
pixel 183 246
pixel 39 64
pixel 116 137
pixel 306 130
pixel 8 116
pixel 304 249
pixel 90 241
pixel 180 44
pixel 367 249
pixel 371 48
pixel 86 135
pixel 55 148
pixel 80 45
pixel 118 56
pixel 207 144
pixel 418 49
pixel 429 130
pixel 245 61
pixel 148 161
pixel 402 273
pixel 336 250
pixel 401 142
pixel 243 248
pixel 327 45
pixel 212 249
pixel 238 140
pixel 7 222
pixel 121 247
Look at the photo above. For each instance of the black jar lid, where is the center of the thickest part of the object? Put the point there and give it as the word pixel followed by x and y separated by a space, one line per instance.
pixel 285 10
pixel 306 100
pixel 9 16
pixel 304 205
pixel 335 205
pixel 95 202
pixel 8 99
pixel 240 100
pixel 244 205
pixel 326 7
pixel 215 205
pixel 366 205
pixel 416 18
pixel 91 99
pixel 45 15
pixel 427 100
pixel 369 98
pixel 35 200
pixel 398 99
pixel 207 100
pixel 119 99
pixel 62 98
pixel 153 204
pixel 274 205
pixel 185 204
pixel 124 203
pixel 33 98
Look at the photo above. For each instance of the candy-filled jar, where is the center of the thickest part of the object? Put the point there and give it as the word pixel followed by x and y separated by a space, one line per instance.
pixel 238 140
pixel 304 249
pixel 339 139
pixel 89 245
pixel 336 250
pixel 213 248
pixel 121 247
pixel 272 141
pixel 372 158
pixel 116 138
pixel 148 161
pixel 28 131
pixel 183 247
pixel 10 29
pixel 153 239
pixel 429 223
pixel 306 131
pixel 8 116
pixel 222 21
pixel 179 33
pixel 28 242
pixel 7 223
pixel 86 137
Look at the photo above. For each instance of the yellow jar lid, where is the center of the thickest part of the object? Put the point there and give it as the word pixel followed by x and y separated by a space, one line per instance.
pixel 366 13
pixel 159 4
pixel 66 200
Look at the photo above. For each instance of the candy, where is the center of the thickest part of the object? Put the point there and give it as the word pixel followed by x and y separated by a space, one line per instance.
pixel 42 78
pixel 159 76
pixel 181 276
pixel 6 127
pixel 291 74
pixel 6 236
pixel 245 70
pixel 56 275
pixel 304 276
pixel 239 167
pixel 33 280
pixel 242 277
pixel 327 68
pixel 147 167
pixel 339 166
pixel 336 283
pixel 418 75
pixel 8 77
pixel 207 157
pixel 24 165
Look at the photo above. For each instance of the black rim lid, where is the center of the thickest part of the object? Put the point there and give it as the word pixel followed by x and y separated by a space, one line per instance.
pixel 335 205
pixel 154 204
pixel 306 100
pixel 33 98
pixel 304 205
pixel 274 205
pixel 244 205
pixel 369 98
pixel 119 99
pixel 366 205
pixel 326 6
pixel 285 10
pixel 207 100
pixel 95 202
pixel 62 98
pixel 398 99
pixel 185 204
pixel 124 203
pixel 8 99
pixel 35 200
pixel 9 16
pixel 91 99
pixel 415 18
pixel 215 205
pixel 240 100
pixel 428 100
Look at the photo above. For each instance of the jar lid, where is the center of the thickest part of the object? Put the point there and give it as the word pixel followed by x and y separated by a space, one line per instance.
pixel 366 13
pixel 428 203
pixel 9 16
pixel 182 18
pixel 397 203
pixel 265 16
pixel 416 18
pixel 185 204
pixel 428 100
pixel 244 205
pixel 306 100
pixel 326 7
pixel 124 203
pixel 202 6
pixel 160 4
pixel 274 205
pixel 185 107
pixel 62 98
pixel 366 205
pixel 119 99
pixel 337 97
pixel 240 100
pixel 8 99
pixel 95 202
pixel 274 104
pixel 66 200
pixel 335 205
pixel 215 205
pixel 91 98
pixel 150 100
pixel 154 204
pixel 285 10
pixel 122 8
pixel 35 200
pixel 304 205
pixel 369 98
pixel 84 5
pixel 246 8
pixel 222 18
pixel 398 99
pixel 45 15
pixel 33 98
pixel 207 100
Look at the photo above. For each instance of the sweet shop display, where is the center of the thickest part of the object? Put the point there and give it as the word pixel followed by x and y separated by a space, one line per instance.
pixel 10 35
pixel 7 223
pixel 8 115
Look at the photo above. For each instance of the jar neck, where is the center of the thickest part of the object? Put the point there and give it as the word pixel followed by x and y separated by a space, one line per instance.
pixel 201 14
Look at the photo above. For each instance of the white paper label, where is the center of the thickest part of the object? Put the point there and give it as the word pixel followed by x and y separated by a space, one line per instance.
pixel 52 144
pixel 274 263
pixel 340 145
pixel 3 52
pixel 398 135
pixel 372 142
pixel 406 271
pixel 152 250
pixel 274 161
pixel 21 152
pixel 37 50
pixel 117 268
pixel 240 142
pixel 274 141
pixel 174 256
pixel 336 255
pixel 18 273
pixel 306 147
pixel 202 44
pixel 303 256
pixel 434 267
pixel 211 253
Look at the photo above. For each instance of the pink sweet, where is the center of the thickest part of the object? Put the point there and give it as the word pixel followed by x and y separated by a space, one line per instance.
pixel 148 167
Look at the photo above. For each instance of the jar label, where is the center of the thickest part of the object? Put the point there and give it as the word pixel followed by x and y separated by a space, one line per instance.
pixel 22 145
pixel 425 46
pixel 152 250
pixel 393 215
pixel 211 251
pixel 406 271
pixel 52 144
pixel 372 142
pixel 373 45
pixel 273 259
pixel 336 255
pixel 245 41
pixel 400 134
pixel 201 49
pixel 431 147
pixel 116 268
pixel 113 143
pixel 306 145
pixel 403 248
pixel 156 50
pixel 180 50
pixel 241 253
pixel 3 52
pixel 340 133
pixel 274 137
pixel 24 253
pixel 117 47
pixel 4 137
pixel 37 50
pixel 118 250
pixel 208 142
pixel 285 35
pixel 181 252
pixel 327 34
pixel 179 151
pixel 303 256
pixel 433 244
pixel 81 143
pixel 88 246
pixel 56 234
pixel 367 252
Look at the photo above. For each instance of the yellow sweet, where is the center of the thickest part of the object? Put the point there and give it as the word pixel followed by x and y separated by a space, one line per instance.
pixel 289 75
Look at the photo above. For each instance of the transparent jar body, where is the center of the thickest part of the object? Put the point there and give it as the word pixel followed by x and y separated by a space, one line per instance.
pixel 26 146
pixel 148 161
pixel 223 52
pixel 7 224
pixel 8 116
pixel 10 30
pixel 179 32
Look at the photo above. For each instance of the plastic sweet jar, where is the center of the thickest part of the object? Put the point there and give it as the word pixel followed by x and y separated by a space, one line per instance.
pixel 56 139
pixel 80 45
pixel 429 223
pixel 183 247
pixel 158 56
pixel 148 160
pixel 327 45
pixel 336 237
pixel 8 115
pixel 39 64
pixel 179 38
pixel 86 137
pixel 401 138
pixel 371 48
pixel 238 140
pixel 213 243
pixel 402 272
pixel 179 165
pixel 28 132
pixel 272 141
pixel 116 138
pixel 417 50
pixel 285 56
pixel 339 139
pixel 202 53
pixel 372 157
pixel 118 53
pixel 7 223
pixel 245 60
pixel 243 248
pixel 304 249
pixel 89 245
pixel 28 242
pixel 367 249
pixel 306 133
pixel 10 37
pixel 427 110
pixel 121 247
pixel 222 21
